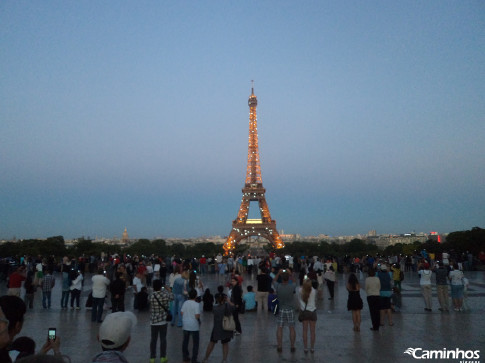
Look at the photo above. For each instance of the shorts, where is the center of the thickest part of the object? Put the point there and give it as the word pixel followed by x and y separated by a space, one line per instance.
pixel 286 317
pixel 457 291
pixel 385 303
pixel 223 341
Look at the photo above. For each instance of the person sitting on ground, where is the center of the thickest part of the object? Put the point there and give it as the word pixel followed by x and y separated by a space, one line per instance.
pixel 220 292
pixel 208 300
pixel 114 336
pixel 272 300
pixel 249 299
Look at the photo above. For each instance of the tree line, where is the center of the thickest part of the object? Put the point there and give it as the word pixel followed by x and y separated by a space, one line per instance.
pixel 460 242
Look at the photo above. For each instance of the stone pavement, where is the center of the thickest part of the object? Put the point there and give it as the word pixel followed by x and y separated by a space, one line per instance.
pixel 336 341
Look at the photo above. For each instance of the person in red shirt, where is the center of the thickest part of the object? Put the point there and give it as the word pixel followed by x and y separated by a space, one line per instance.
pixel 15 281
pixel 203 265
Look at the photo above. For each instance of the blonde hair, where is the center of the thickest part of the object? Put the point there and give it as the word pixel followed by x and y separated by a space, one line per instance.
pixel 306 289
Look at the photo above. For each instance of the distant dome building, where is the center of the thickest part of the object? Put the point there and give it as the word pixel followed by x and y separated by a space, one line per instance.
pixel 125 239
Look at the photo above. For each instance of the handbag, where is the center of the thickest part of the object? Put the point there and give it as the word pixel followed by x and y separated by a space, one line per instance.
pixel 169 314
pixel 228 323
pixel 305 314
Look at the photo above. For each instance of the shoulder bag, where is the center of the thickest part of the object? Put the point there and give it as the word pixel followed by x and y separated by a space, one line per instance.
pixel 169 314
pixel 228 323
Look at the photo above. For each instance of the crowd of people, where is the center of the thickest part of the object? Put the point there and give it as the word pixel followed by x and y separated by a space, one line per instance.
pixel 173 292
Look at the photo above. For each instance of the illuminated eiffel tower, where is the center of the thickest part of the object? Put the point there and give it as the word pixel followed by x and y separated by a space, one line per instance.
pixel 253 190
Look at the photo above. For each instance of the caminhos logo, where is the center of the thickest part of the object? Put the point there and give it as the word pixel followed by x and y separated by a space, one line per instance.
pixel 464 356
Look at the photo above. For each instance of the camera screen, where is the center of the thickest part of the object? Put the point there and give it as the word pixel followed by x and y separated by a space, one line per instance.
pixel 52 333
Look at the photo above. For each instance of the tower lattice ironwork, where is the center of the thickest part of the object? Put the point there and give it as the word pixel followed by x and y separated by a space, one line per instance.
pixel 242 226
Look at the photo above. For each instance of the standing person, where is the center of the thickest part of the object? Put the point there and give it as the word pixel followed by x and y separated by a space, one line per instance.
pixel 385 292
pixel 286 315
pixel 264 284
pixel 307 299
pixel 203 265
pixel 76 288
pixel 179 290
pixel 354 301
pixel 425 283
pixel 223 307
pixel 236 299
pixel 372 289
pixel 137 288
pixel 457 287
pixel 100 285
pixel 48 282
pixel 15 281
pixel 159 306
pixel 191 323
pixel 29 290
pixel 396 275
pixel 329 277
pixel 442 286
pixel 117 289
pixel 66 282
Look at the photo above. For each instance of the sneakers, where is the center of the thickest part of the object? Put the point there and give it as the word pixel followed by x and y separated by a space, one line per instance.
pixel 163 360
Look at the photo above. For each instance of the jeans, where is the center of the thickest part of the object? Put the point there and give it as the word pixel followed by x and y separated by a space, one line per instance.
pixel 97 311
pixel 29 300
pixel 64 299
pixel 375 312
pixel 195 345
pixel 46 295
pixel 75 294
pixel 176 306
pixel 155 331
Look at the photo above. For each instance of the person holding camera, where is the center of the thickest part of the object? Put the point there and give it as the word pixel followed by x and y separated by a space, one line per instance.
pixel 286 316
pixel 100 285
pixel 76 288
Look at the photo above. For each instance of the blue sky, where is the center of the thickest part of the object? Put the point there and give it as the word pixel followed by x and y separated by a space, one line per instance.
pixel 371 115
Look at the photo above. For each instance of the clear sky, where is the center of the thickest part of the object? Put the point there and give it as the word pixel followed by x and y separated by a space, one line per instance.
pixel 371 116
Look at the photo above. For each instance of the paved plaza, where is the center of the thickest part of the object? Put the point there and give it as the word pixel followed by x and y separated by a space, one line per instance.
pixel 336 341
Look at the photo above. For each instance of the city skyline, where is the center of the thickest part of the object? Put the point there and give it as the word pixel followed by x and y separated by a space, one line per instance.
pixel 371 116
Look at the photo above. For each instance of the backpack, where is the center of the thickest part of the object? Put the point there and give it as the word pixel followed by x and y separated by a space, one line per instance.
pixel 401 276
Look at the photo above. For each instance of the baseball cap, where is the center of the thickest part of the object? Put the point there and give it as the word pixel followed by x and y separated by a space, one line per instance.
pixel 116 329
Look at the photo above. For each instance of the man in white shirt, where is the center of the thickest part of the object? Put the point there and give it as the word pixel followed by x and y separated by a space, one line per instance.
pixel 191 320
pixel 100 284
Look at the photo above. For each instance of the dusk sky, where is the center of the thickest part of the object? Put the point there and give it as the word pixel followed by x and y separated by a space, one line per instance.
pixel 371 116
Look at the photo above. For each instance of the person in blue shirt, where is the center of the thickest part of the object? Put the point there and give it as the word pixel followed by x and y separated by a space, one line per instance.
pixel 250 299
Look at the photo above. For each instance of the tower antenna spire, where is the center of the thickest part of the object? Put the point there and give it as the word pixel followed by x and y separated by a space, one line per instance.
pixel 252 87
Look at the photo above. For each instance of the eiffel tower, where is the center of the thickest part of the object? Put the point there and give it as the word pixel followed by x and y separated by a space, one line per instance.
pixel 253 190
